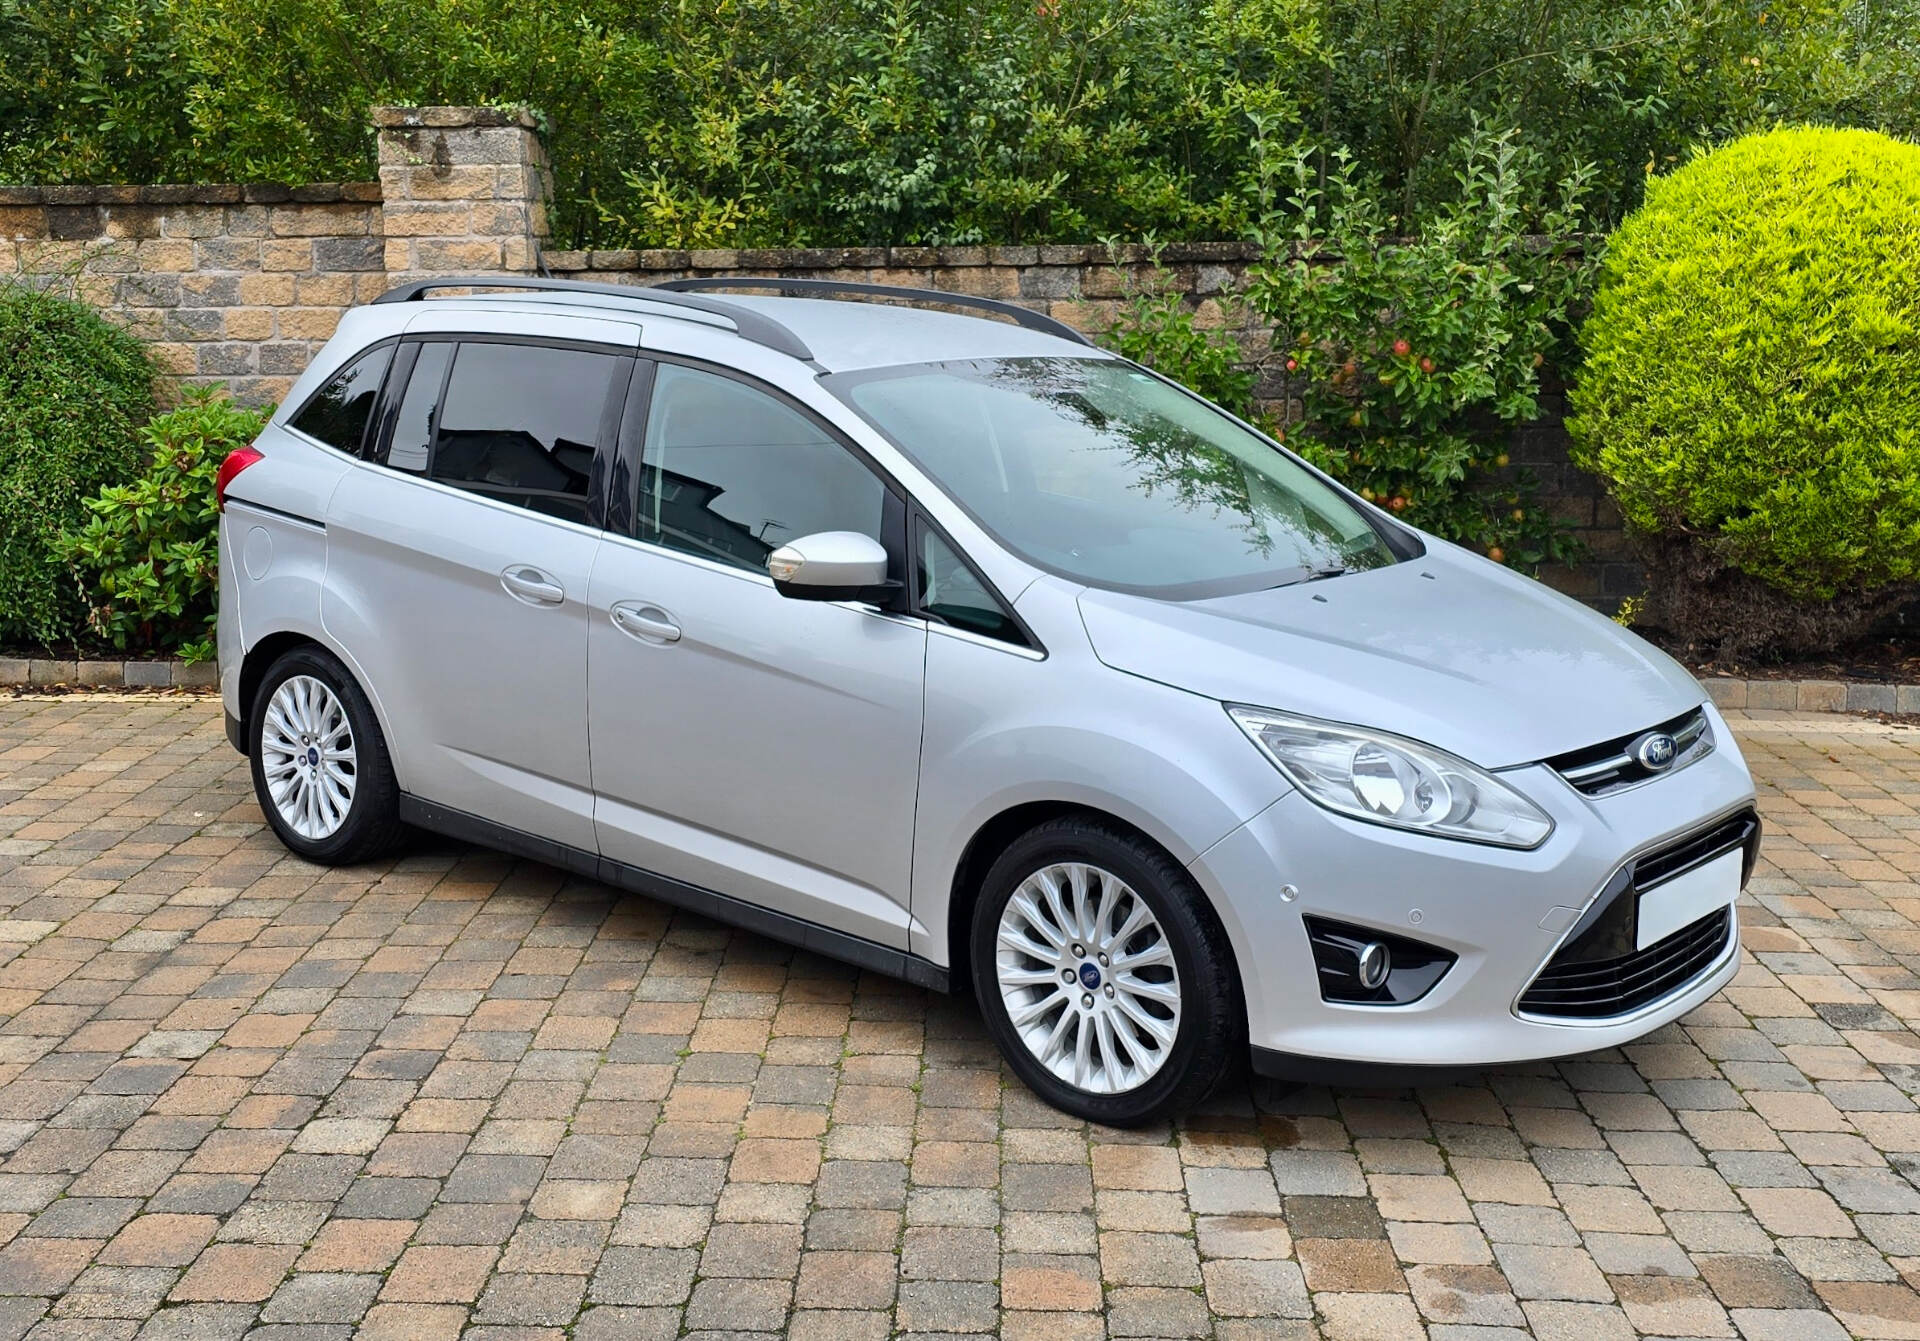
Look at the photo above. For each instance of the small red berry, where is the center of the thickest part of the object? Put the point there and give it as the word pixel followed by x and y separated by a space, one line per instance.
pixel 1426 365
pixel 1401 349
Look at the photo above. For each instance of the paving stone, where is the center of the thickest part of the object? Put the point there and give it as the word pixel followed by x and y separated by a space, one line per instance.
pixel 1639 1255
pixel 955 1307
pixel 647 1276
pixel 324 1297
pixel 1466 1296
pixel 1137 1311
pixel 1334 1218
pixel 1671 1306
pixel 1544 1272
pixel 235 1273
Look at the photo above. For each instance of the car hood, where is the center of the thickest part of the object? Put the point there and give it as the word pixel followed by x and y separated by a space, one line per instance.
pixel 1448 648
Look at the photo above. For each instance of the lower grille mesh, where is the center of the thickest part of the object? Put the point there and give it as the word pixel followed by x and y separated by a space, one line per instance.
pixel 1597 989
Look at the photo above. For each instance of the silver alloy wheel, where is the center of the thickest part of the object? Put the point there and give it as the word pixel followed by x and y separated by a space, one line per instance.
pixel 307 756
pixel 1088 978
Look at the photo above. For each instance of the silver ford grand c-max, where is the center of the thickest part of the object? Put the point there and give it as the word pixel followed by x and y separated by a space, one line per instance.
pixel 969 653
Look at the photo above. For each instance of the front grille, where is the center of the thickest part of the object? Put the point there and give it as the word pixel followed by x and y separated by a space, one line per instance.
pixel 1597 973
pixel 1611 767
pixel 1741 830
pixel 1598 989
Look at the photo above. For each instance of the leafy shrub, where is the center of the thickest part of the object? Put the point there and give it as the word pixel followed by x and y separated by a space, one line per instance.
pixel 837 122
pixel 1158 330
pixel 1414 359
pixel 73 392
pixel 149 554
pixel 1751 392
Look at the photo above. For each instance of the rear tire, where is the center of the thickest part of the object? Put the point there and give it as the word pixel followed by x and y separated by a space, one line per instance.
pixel 1104 975
pixel 320 766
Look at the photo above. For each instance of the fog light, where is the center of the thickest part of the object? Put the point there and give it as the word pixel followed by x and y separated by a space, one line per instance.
pixel 1375 962
pixel 1363 967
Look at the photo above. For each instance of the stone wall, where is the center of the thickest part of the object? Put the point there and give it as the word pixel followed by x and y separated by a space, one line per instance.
pixel 241 284
pixel 229 283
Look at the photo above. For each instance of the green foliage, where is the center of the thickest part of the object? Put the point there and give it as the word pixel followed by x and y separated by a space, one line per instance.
pixel 1627 86
pixel 1752 380
pixel 90 90
pixel 1413 360
pixel 771 122
pixel 73 392
pixel 1158 330
pixel 840 122
pixel 149 553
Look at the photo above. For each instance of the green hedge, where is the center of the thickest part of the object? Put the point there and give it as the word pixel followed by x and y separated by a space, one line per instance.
pixel 1751 392
pixel 840 122
pixel 74 391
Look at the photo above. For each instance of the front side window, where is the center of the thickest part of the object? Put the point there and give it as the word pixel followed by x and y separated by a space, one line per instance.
pixel 338 413
pixel 731 474
pixel 947 589
pixel 1104 474
pixel 520 422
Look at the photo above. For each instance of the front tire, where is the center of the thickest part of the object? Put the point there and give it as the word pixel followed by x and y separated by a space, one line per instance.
pixel 321 771
pixel 1104 975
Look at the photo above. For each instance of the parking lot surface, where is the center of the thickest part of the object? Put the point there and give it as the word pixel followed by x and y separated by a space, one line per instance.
pixel 459 1094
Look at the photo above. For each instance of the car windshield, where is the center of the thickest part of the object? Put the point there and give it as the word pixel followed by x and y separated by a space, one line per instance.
pixel 1102 473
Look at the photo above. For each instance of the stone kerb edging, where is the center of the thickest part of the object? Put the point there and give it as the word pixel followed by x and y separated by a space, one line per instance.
pixel 1812 695
pixel 49 673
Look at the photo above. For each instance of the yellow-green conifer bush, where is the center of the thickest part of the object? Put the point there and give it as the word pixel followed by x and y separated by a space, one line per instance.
pixel 1751 389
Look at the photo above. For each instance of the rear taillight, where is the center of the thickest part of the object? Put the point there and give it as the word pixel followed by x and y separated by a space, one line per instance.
pixel 237 460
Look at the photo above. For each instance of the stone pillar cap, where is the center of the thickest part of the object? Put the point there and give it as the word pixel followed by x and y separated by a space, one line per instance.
pixel 452 118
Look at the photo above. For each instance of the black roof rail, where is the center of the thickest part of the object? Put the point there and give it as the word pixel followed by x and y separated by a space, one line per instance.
pixel 751 325
pixel 801 288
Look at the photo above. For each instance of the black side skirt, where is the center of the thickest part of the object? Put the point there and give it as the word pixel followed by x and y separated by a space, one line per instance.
pixel 721 907
pixel 236 733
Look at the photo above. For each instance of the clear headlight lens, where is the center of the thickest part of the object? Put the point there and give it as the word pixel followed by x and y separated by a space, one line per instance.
pixel 1385 779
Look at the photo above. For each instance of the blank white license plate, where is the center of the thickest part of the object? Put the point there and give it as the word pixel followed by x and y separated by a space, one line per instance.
pixel 1686 899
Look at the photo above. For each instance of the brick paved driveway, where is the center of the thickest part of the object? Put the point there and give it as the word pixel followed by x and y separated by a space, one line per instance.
pixel 462 1093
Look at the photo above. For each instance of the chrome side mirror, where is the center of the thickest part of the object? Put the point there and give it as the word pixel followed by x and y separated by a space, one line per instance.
pixel 831 566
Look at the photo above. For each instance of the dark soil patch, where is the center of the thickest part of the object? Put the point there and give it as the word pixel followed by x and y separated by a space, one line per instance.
pixel 1895 661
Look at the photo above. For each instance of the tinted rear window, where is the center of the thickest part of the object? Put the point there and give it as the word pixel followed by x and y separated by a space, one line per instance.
pixel 338 413
pixel 520 422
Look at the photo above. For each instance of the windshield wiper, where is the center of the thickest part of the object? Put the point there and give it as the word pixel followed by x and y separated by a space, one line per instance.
pixel 1315 574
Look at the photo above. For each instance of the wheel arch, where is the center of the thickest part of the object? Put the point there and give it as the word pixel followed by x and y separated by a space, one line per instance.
pixel 994 837
pixel 257 659
pixel 253 668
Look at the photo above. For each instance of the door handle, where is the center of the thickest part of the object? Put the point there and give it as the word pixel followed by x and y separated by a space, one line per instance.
pixel 526 583
pixel 649 623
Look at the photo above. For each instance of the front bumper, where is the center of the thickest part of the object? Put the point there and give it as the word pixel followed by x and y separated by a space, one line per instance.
pixel 1503 913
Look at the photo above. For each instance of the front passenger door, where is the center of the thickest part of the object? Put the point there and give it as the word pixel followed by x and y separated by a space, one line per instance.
pixel 750 744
